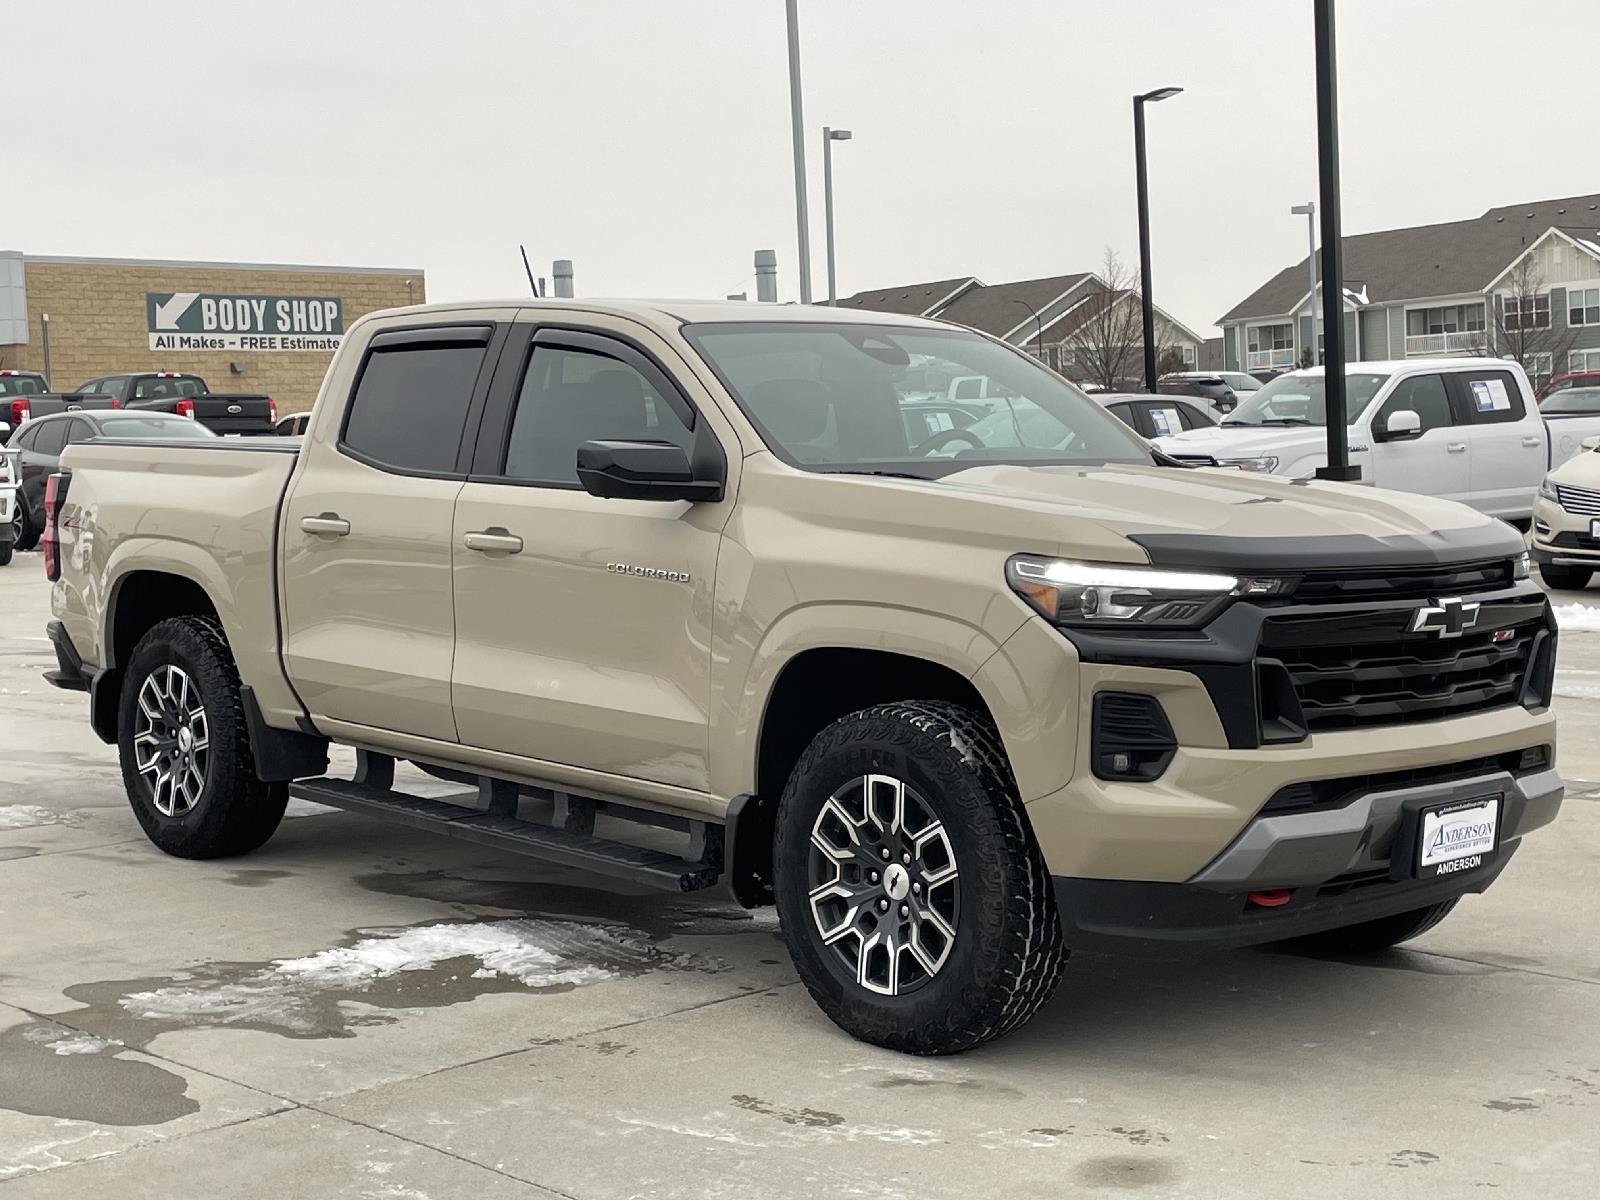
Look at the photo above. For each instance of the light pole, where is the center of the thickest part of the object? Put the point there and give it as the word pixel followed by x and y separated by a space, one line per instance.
pixel 829 137
pixel 1339 466
pixel 797 132
pixel 1038 320
pixel 1144 230
pixel 1308 210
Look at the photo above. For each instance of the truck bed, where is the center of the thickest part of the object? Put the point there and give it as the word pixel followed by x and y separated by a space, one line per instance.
pixel 212 517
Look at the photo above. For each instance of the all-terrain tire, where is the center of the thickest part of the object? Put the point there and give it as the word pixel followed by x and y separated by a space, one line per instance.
pixel 234 812
pixel 1372 936
pixel 1566 578
pixel 1006 957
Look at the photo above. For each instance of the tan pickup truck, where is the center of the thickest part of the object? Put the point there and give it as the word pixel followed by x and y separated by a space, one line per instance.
pixel 958 690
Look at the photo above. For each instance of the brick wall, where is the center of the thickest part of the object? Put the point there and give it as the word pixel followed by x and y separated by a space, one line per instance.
pixel 98 324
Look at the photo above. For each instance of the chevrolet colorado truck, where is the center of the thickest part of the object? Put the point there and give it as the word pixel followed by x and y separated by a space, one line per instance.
pixel 672 593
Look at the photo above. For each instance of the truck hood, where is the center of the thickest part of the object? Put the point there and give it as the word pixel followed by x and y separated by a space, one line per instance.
pixel 1243 441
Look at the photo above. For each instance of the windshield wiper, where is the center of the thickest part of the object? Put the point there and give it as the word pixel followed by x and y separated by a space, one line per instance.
pixel 1284 421
pixel 883 474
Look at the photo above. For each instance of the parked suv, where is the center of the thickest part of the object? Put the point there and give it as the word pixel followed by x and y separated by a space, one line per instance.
pixel 955 701
pixel 1220 391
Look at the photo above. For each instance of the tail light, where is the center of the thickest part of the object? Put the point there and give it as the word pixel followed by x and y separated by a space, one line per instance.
pixel 186 408
pixel 115 403
pixel 272 411
pixel 19 412
pixel 55 495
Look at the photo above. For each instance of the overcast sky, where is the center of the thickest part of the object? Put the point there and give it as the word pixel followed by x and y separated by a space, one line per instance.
pixel 648 140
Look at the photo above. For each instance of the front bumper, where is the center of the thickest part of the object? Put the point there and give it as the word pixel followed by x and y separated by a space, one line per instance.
pixel 1563 539
pixel 1340 866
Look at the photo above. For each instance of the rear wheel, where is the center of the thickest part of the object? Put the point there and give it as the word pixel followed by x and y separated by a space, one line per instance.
pixel 185 749
pixel 1573 578
pixel 916 905
pixel 1370 936
pixel 25 534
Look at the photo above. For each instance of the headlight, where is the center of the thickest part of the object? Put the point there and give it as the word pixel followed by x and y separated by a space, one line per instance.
pixel 1521 566
pixel 1266 463
pixel 1547 491
pixel 1109 594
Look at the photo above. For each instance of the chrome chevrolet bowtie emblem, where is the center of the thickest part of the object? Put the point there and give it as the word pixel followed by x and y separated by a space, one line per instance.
pixel 1448 617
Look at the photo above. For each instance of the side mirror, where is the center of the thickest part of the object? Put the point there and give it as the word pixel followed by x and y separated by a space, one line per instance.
pixel 645 471
pixel 1403 425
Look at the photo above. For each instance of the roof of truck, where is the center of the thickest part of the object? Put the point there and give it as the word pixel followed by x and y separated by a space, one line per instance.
pixel 684 311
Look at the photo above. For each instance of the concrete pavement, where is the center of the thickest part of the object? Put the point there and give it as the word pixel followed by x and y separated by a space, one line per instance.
pixel 361 1011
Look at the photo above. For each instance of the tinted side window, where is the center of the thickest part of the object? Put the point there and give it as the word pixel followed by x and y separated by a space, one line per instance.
pixel 50 437
pixel 24 437
pixel 1422 394
pixel 78 431
pixel 1124 413
pixel 569 397
pixel 1491 396
pixel 1191 418
pixel 410 406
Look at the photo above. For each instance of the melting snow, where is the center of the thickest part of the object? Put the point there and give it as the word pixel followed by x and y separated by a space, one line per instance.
pixel 307 808
pixel 82 1043
pixel 536 953
pixel 1578 618
pixel 25 816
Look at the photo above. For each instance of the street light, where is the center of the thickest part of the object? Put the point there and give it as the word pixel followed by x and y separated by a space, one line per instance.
pixel 1038 320
pixel 829 137
pixel 797 127
pixel 1308 210
pixel 1144 230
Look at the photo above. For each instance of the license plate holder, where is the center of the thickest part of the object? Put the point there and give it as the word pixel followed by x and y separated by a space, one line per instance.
pixel 1445 837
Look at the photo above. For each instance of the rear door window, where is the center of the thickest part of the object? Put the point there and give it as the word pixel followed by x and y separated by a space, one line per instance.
pixel 50 438
pixel 1490 397
pixel 1129 416
pixel 409 408
pixel 1424 395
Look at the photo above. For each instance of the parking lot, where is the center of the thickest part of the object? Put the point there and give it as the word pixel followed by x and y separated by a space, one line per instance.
pixel 358 1010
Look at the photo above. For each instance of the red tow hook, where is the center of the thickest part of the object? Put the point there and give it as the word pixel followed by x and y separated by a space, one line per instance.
pixel 1270 897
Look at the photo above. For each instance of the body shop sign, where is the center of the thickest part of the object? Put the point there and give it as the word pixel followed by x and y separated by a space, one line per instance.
pixel 205 321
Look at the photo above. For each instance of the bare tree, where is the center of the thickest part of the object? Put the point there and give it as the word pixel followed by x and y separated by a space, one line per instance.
pixel 1106 347
pixel 1525 329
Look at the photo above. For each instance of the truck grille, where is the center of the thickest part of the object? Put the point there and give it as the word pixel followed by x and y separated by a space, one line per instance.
pixel 1419 583
pixel 1388 676
pixel 1583 502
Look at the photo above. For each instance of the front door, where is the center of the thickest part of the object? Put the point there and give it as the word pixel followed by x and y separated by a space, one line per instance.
pixel 1439 463
pixel 1510 453
pixel 369 617
pixel 583 625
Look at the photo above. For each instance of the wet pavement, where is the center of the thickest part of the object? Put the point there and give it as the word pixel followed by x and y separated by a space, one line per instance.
pixel 361 1010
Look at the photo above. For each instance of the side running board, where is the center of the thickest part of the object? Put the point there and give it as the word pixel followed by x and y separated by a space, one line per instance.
pixel 569 841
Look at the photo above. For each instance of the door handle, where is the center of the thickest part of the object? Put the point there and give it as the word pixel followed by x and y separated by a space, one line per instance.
pixel 325 525
pixel 1532 441
pixel 1457 447
pixel 493 540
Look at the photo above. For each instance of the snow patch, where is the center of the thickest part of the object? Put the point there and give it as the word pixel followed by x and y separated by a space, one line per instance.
pixel 1577 618
pixel 27 816
pixel 83 1043
pixel 534 952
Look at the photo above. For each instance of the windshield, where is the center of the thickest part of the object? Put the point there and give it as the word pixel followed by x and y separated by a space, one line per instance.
pixel 153 427
pixel 1572 400
pixel 901 401
pixel 1302 400
pixel 1241 383
pixel 21 385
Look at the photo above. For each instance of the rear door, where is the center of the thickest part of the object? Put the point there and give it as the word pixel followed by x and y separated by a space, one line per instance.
pixel 1439 463
pixel 586 643
pixel 366 547
pixel 1510 448
pixel 41 457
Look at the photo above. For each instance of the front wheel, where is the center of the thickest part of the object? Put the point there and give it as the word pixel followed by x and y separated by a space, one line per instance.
pixel 915 903
pixel 1566 578
pixel 185 748
pixel 24 533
